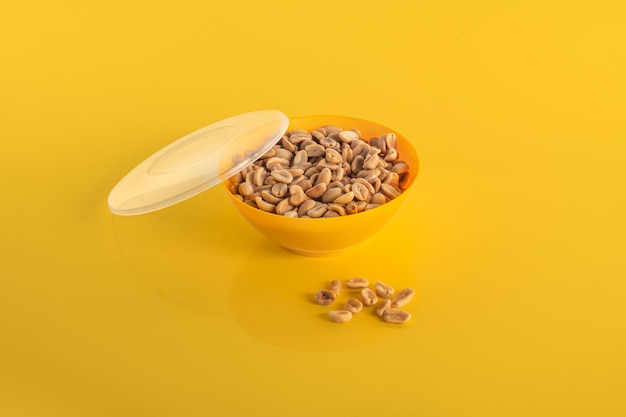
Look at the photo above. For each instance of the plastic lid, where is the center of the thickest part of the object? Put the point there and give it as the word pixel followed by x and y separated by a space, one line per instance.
pixel 197 162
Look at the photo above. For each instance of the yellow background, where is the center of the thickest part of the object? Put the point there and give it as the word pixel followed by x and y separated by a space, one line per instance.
pixel 514 238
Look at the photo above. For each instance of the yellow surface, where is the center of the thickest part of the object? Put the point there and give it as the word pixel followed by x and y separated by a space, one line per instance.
pixel 514 237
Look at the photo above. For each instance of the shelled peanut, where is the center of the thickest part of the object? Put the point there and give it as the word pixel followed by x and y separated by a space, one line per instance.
pixel 328 172
pixel 388 308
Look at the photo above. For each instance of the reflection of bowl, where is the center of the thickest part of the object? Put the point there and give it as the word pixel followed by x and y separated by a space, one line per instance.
pixel 327 236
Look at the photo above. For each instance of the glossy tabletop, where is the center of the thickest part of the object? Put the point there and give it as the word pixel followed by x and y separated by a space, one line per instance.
pixel 513 238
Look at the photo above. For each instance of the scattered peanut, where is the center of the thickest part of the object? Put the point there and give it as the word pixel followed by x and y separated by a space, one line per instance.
pixel 393 315
pixel 357 283
pixel 325 297
pixel 382 307
pixel 384 290
pixel 353 305
pixel 340 316
pixel 369 297
pixel 403 298
pixel 335 286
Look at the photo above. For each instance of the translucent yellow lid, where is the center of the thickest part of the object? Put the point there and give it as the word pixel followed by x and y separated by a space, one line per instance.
pixel 197 162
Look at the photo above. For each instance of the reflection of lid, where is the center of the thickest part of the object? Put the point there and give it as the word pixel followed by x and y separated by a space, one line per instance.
pixel 197 162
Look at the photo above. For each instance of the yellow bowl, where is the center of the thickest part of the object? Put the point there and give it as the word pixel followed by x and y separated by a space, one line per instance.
pixel 329 236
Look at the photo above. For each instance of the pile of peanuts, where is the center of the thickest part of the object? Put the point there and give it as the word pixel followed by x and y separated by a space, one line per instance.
pixel 328 172
pixel 388 308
